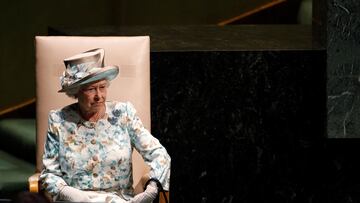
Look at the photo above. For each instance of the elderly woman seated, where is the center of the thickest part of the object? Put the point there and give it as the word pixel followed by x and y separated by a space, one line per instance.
pixel 89 143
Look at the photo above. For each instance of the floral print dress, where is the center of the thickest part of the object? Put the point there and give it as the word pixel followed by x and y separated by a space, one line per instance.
pixel 96 156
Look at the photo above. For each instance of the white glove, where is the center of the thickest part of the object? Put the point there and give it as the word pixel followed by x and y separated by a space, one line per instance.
pixel 72 194
pixel 104 197
pixel 148 195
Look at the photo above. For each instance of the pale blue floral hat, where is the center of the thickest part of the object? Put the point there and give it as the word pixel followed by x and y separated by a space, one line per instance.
pixel 85 68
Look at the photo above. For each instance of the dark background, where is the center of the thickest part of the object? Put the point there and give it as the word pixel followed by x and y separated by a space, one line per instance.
pixel 21 20
pixel 247 116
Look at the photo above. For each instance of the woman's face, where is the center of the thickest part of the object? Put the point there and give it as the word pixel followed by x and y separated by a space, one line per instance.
pixel 92 97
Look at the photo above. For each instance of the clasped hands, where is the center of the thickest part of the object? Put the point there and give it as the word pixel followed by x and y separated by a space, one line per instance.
pixel 72 194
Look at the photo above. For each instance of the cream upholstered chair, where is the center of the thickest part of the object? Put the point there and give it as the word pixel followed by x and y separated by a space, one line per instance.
pixel 131 54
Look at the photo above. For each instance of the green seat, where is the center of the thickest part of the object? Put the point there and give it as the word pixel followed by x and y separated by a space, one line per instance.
pixel 14 173
pixel 18 138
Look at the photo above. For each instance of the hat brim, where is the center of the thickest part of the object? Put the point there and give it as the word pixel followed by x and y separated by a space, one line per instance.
pixel 108 73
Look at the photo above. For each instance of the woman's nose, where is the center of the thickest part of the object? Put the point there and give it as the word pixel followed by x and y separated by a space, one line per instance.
pixel 97 93
pixel 96 97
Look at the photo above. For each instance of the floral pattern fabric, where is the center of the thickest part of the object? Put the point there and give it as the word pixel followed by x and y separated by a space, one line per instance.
pixel 96 156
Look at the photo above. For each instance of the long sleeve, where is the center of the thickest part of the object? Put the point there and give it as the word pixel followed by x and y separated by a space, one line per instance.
pixel 51 174
pixel 154 154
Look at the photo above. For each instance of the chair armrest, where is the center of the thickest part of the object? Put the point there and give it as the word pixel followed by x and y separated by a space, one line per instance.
pixel 34 182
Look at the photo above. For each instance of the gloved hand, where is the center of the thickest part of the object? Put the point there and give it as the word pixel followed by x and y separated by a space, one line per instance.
pixel 148 195
pixel 72 194
pixel 104 197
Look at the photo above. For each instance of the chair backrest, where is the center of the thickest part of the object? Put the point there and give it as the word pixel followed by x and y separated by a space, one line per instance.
pixel 131 54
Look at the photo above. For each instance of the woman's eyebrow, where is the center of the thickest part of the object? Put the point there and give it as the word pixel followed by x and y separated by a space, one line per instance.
pixel 92 86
